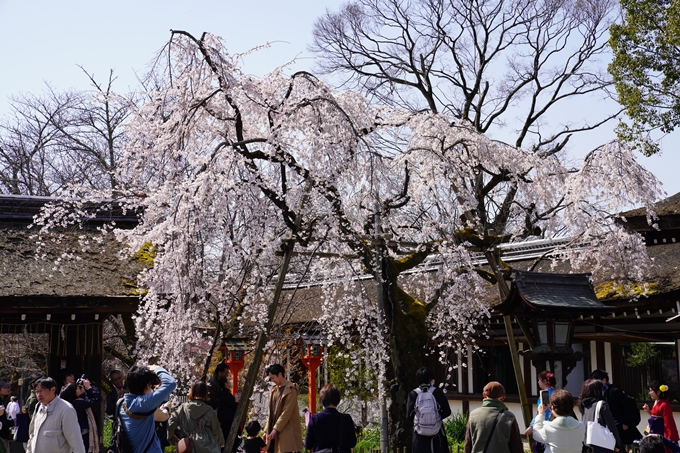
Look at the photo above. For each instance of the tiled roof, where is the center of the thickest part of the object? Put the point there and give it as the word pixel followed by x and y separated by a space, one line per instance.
pixel 550 292
pixel 665 207
pixel 92 267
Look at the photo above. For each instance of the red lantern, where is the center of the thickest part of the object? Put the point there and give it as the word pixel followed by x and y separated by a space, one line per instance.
pixel 312 356
pixel 234 353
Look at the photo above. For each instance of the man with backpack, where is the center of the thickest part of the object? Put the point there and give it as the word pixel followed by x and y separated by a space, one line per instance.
pixel 135 412
pixel 623 408
pixel 427 406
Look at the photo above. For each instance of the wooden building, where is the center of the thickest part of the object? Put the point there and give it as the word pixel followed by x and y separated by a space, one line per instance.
pixel 61 286
pixel 604 339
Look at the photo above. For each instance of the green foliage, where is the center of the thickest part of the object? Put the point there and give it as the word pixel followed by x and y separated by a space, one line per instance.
pixel 106 434
pixel 641 354
pixel 645 69
pixel 369 439
pixel 454 427
pixel 338 364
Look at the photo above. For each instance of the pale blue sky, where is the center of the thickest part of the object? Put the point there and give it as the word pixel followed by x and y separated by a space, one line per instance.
pixel 44 41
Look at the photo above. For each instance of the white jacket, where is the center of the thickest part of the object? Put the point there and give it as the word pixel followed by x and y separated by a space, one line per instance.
pixel 562 435
pixel 55 429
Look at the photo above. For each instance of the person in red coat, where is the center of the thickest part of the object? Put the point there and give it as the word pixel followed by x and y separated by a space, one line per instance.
pixel 662 409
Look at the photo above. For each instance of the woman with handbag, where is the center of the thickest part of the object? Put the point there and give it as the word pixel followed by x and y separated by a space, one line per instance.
pixel 601 433
pixel 661 409
pixel 197 422
pixel 330 431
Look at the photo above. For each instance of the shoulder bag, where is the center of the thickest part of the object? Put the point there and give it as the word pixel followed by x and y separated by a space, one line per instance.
pixel 493 428
pixel 185 445
pixel 598 435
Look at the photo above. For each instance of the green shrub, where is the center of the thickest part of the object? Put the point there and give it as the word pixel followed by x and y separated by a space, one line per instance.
pixel 454 427
pixel 369 439
pixel 106 435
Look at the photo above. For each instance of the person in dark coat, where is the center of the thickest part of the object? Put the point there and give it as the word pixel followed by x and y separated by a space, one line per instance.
pixel 591 393
pixel 83 396
pixel 330 428
pixel 214 386
pixel 626 420
pixel 427 444
pixel 5 422
pixel 226 410
pixel 119 389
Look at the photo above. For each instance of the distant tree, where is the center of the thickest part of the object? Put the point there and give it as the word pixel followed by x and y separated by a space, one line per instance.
pixel 504 67
pixel 641 354
pixel 645 68
pixel 57 139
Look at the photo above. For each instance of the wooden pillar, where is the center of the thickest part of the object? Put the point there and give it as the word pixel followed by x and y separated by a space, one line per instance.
pixel 599 348
pixel 464 380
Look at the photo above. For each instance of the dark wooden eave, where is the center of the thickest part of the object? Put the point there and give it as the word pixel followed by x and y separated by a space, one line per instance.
pixel 663 230
pixel 553 294
pixel 22 209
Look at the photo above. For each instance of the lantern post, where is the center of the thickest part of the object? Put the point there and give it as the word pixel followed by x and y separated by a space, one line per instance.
pixel 312 344
pixel 234 350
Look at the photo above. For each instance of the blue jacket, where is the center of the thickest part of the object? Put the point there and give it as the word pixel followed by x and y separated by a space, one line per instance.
pixel 325 428
pixel 142 433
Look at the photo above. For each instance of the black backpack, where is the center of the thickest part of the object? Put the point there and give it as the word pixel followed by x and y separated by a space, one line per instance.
pixel 119 440
pixel 631 408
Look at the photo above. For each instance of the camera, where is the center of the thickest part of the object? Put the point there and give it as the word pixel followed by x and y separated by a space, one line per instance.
pixel 83 377
pixel 155 380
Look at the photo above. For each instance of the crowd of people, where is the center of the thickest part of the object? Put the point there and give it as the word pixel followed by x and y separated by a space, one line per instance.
pixel 608 420
pixel 61 416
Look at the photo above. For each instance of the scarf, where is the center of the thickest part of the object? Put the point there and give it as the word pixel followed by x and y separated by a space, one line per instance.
pixel 92 432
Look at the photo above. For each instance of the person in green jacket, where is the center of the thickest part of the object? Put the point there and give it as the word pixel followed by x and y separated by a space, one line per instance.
pixel 32 401
pixel 197 420
pixel 492 428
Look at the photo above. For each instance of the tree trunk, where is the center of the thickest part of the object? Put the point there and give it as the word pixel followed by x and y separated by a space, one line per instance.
pixel 408 342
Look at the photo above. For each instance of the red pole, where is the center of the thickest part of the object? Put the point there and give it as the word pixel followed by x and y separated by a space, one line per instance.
pixel 311 363
pixel 234 382
pixel 312 389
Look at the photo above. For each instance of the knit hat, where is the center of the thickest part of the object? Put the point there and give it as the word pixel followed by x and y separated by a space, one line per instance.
pixel 494 390
pixel 4 385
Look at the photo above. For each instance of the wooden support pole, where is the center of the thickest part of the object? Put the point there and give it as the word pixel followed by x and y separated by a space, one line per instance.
pixel 263 337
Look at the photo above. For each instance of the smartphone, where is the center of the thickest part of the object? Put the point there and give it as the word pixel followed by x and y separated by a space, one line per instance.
pixel 545 397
